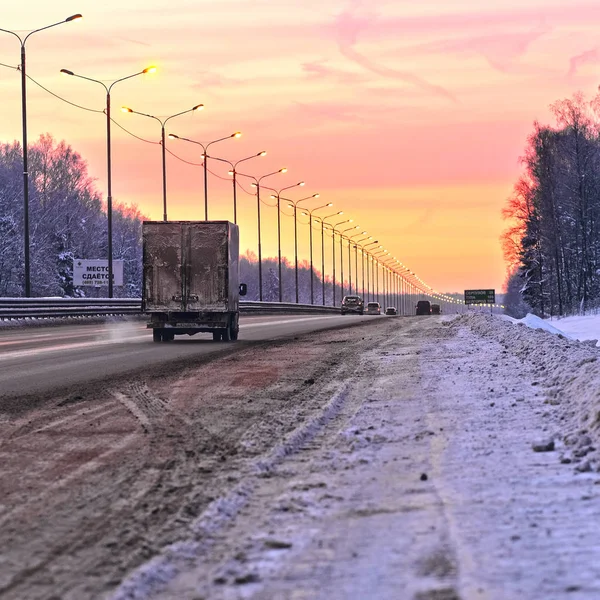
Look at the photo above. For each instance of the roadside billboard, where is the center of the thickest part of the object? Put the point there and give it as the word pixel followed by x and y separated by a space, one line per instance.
pixel 94 272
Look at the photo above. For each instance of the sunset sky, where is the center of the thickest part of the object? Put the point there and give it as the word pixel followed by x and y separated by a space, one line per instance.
pixel 408 116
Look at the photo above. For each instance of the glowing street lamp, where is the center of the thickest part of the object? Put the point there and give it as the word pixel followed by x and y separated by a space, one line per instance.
pixel 205 156
pixel 163 122
pixel 108 159
pixel 256 184
pixel 233 173
pixel 22 68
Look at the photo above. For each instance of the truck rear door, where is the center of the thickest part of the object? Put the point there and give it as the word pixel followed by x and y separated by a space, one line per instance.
pixel 206 267
pixel 163 284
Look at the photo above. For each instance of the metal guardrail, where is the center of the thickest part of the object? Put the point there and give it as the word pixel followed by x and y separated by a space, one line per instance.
pixel 45 308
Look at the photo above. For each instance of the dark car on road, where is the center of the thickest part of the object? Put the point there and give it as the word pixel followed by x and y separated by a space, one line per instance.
pixel 353 304
pixel 373 308
pixel 391 310
pixel 423 307
pixel 436 309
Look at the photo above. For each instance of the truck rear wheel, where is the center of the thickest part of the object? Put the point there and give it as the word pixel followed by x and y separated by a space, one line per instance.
pixel 216 336
pixel 226 334
pixel 168 336
pixel 157 335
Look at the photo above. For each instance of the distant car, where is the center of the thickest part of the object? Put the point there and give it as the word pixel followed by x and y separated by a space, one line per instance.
pixel 436 309
pixel 373 308
pixel 423 307
pixel 353 304
pixel 391 310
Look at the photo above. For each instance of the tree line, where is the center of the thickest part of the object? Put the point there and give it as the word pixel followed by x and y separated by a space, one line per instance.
pixel 552 245
pixel 67 219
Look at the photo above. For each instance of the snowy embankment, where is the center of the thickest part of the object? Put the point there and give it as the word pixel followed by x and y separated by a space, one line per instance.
pixel 568 375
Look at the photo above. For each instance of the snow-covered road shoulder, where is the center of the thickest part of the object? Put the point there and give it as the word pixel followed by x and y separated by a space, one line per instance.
pixel 568 377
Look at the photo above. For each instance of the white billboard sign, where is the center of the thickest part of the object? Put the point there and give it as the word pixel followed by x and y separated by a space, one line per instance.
pixel 93 272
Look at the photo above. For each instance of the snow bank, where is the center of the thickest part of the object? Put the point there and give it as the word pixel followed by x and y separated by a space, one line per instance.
pixel 566 371
pixel 585 327
pixel 536 323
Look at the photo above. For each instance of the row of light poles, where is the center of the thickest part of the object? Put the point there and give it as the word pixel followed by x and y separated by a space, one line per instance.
pixel 256 182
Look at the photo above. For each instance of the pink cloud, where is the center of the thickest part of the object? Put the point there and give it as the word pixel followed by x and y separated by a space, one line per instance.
pixel 320 70
pixel 347 28
pixel 500 50
pixel 585 58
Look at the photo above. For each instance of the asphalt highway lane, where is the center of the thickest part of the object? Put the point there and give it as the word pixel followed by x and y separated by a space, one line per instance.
pixel 39 360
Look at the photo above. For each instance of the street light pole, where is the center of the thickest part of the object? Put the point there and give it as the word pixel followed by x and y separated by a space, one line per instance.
pixel 377 256
pixel 362 260
pixel 350 261
pixel 310 228
pixel 333 230
pixel 342 236
pixel 294 205
pixel 256 184
pixel 233 173
pixel 277 196
pixel 109 160
pixel 323 253
pixel 23 69
pixel 205 156
pixel 368 255
pixel 163 123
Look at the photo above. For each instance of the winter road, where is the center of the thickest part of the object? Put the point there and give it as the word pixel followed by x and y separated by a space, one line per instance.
pixel 36 360
pixel 391 460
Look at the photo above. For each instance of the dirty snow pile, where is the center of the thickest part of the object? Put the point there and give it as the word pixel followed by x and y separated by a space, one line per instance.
pixel 566 373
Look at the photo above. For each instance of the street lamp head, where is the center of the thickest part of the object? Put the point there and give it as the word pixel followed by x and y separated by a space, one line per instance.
pixel 254 184
pixel 126 109
pixel 283 170
pixel 66 72
pixel 150 69
pixel 172 136
pixel 237 134
pixel 198 107
pixel 73 18
pixel 263 153
pixel 340 213
pixel 301 183
pixel 316 195
pixel 329 204
pixel 274 196
pixel 290 205
pixel 230 172
pixel 364 232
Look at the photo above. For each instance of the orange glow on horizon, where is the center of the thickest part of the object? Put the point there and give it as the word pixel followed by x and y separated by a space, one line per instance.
pixel 409 117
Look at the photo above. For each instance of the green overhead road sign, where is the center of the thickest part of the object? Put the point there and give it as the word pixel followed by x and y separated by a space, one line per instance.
pixel 480 296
